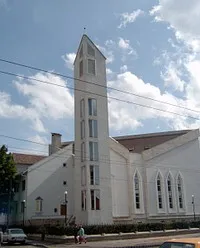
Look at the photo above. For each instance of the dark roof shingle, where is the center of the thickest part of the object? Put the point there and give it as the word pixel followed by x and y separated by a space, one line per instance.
pixel 138 143
pixel 27 159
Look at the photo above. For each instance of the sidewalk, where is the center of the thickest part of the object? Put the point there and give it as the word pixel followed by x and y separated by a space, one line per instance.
pixel 141 242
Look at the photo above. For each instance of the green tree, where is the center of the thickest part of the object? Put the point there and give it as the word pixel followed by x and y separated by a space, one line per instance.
pixel 7 176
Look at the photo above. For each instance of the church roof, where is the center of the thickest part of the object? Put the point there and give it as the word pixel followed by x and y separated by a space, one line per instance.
pixel 141 142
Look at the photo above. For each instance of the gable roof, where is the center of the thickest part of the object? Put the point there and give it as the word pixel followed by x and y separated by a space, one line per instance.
pixel 141 142
pixel 85 36
pixel 170 144
pixel 26 159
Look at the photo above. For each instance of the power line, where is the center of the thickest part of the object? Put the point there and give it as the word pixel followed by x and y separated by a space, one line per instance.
pixel 24 140
pixel 102 159
pixel 93 83
pixel 136 164
pixel 110 97
pixel 25 149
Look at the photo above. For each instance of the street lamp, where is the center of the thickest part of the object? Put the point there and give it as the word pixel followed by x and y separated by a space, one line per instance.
pixel 66 207
pixel 193 204
pixel 23 209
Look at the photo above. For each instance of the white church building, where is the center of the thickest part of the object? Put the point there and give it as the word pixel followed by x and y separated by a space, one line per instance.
pixel 99 179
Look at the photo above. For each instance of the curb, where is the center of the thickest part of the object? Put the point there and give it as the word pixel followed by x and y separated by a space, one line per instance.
pixel 139 246
pixel 37 245
pixel 134 246
pixel 70 240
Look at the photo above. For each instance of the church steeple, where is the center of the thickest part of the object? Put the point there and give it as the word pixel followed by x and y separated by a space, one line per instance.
pixel 92 157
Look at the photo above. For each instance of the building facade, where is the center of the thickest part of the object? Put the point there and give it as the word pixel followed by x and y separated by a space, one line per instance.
pixel 98 179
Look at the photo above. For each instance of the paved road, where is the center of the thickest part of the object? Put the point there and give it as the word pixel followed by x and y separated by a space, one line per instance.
pixel 117 243
pixel 125 243
pixel 17 246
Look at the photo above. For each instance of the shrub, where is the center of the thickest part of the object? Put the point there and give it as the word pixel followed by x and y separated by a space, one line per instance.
pixel 115 228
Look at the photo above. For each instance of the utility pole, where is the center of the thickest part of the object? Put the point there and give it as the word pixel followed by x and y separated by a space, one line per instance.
pixel 9 202
pixel 66 207
pixel 193 203
pixel 24 207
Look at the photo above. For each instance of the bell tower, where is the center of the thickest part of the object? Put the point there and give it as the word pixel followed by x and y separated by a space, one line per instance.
pixel 93 197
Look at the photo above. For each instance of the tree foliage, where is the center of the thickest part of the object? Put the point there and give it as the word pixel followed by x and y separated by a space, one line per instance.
pixel 7 175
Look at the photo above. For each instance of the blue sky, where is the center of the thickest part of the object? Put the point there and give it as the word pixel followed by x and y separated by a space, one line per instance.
pixel 152 49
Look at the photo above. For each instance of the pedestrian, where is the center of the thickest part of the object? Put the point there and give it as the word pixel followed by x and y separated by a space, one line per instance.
pixel 81 235
pixel 75 231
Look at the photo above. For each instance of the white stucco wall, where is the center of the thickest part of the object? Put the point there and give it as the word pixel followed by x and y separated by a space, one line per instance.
pixel 119 179
pixel 184 160
pixel 85 91
pixel 45 180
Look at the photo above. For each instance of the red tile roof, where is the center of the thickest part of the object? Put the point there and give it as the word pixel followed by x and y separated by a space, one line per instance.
pixel 27 159
pixel 138 143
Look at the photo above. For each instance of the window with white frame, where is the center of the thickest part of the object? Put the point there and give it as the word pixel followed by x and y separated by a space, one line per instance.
pixel 93 128
pixel 94 175
pixel 159 191
pixel 81 68
pixel 93 151
pixel 137 191
pixel 91 66
pixel 83 175
pixel 83 200
pixel 82 151
pixel 180 191
pixel 95 199
pixel 39 204
pixel 90 50
pixel 82 129
pixel 82 108
pixel 169 190
pixel 92 107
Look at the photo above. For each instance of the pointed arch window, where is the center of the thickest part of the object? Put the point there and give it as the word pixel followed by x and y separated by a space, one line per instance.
pixel 180 191
pixel 90 50
pixel 137 191
pixel 169 190
pixel 159 191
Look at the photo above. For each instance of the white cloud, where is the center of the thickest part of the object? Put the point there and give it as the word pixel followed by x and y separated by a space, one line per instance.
pixel 107 53
pixel 10 110
pixel 109 71
pixel 124 68
pixel 183 65
pixel 125 115
pixel 69 60
pixel 172 77
pixel 126 18
pixel 126 48
pixel 44 101
pixel 110 43
pixel 182 16
pixel 50 101
pixel 124 44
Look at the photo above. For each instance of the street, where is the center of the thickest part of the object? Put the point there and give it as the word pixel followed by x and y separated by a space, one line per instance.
pixel 17 246
pixel 154 241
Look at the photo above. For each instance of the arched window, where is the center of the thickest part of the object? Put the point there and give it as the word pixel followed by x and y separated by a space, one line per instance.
pixel 39 204
pixel 169 190
pixel 159 191
pixel 180 191
pixel 137 191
